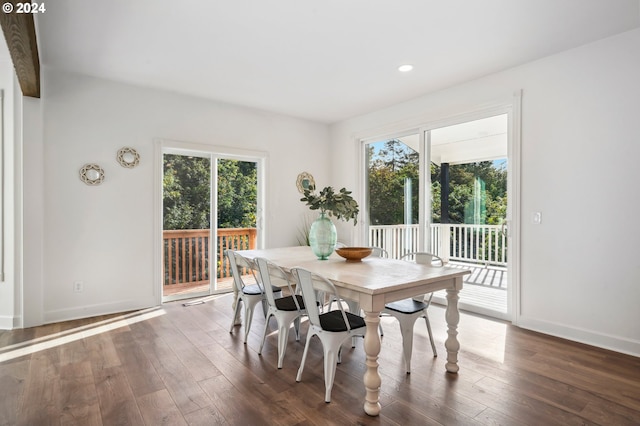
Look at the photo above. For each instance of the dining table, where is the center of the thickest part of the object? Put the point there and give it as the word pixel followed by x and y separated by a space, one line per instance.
pixel 372 283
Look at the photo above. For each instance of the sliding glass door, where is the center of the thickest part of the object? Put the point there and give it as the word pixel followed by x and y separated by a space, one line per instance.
pixel 210 205
pixel 444 190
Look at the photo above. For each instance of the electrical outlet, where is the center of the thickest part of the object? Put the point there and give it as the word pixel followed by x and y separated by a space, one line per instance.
pixel 78 286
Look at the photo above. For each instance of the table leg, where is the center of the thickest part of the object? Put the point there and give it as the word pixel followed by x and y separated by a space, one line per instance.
pixel 452 316
pixel 372 380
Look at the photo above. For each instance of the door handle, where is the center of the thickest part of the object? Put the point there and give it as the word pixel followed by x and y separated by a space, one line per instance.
pixel 505 228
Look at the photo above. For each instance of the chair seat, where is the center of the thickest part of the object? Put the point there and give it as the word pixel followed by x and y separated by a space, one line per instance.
pixel 406 306
pixel 287 304
pixel 254 289
pixel 333 321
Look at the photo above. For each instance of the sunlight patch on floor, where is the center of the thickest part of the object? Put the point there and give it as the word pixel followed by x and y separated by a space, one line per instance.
pixel 57 339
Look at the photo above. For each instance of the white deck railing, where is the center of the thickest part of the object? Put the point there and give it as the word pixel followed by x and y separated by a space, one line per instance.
pixel 484 244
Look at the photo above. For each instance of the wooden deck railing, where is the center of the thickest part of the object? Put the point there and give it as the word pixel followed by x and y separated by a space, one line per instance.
pixel 186 253
pixel 484 244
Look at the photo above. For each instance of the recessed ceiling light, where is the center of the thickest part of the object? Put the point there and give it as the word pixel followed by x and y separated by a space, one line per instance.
pixel 405 68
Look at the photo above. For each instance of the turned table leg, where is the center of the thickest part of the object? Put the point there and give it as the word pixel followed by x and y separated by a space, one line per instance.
pixel 372 380
pixel 452 316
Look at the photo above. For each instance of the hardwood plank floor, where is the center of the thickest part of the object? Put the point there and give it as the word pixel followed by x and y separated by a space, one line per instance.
pixel 179 365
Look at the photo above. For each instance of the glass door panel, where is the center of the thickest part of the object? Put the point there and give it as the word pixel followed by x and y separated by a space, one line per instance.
pixel 393 187
pixel 469 207
pixel 186 212
pixel 237 213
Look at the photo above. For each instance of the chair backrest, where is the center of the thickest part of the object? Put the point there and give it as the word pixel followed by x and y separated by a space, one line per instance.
pixel 272 274
pixel 428 259
pixel 379 252
pixel 236 262
pixel 311 284
pixel 423 258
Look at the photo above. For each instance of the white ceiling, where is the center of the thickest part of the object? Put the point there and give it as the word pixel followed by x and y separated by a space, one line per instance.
pixel 323 60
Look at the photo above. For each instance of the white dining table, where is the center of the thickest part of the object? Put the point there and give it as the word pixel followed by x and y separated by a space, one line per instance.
pixel 372 283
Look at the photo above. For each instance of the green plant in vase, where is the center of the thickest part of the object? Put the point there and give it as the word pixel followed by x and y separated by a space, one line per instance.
pixel 323 235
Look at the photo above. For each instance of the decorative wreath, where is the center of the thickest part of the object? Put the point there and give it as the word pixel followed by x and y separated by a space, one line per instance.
pixel 304 181
pixel 92 174
pixel 128 157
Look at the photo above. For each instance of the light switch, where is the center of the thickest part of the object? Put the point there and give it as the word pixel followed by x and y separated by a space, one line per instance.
pixel 536 218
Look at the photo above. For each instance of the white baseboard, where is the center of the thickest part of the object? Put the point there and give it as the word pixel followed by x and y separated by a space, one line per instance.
pixel 95 310
pixel 588 337
pixel 9 323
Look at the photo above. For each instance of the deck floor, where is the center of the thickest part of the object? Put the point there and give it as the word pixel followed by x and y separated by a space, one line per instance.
pixel 223 285
pixel 484 291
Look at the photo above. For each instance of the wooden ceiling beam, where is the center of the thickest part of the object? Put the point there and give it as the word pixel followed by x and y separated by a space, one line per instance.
pixel 20 33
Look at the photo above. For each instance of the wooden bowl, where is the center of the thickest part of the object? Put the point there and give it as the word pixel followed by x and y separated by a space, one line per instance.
pixel 354 254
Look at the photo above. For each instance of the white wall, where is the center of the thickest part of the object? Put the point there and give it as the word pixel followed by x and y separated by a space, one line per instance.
pixel 580 273
pixel 8 298
pixel 103 235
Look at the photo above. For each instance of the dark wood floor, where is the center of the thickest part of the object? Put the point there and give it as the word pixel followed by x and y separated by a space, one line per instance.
pixel 179 365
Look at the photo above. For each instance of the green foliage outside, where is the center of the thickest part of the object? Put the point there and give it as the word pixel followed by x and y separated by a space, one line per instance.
pixel 388 170
pixel 187 193
pixel 465 180
pixel 477 190
pixel 237 194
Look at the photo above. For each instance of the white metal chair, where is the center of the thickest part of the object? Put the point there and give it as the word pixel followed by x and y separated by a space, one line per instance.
pixel 332 328
pixel 285 310
pixel 379 252
pixel 407 311
pixel 247 295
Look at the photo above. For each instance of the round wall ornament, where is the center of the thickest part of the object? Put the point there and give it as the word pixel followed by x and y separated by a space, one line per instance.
pixel 128 157
pixel 92 174
pixel 304 181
